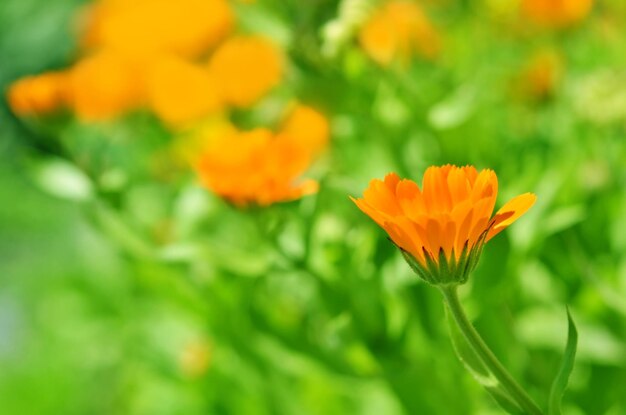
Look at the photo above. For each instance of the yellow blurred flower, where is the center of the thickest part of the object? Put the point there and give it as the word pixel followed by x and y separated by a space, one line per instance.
pixel 441 227
pixel 247 67
pixel 308 127
pixel 397 31
pixel 255 167
pixel 180 92
pixel 104 85
pixel 556 13
pixel 38 94
pixel 145 27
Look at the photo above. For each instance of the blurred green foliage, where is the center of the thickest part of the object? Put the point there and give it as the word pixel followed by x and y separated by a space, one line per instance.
pixel 125 288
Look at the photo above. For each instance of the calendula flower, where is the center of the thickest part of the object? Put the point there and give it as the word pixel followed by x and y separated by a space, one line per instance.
pixel 308 126
pixel 38 94
pixel 145 27
pixel 556 13
pixel 104 85
pixel 247 68
pixel 180 92
pixel 397 31
pixel 255 167
pixel 442 227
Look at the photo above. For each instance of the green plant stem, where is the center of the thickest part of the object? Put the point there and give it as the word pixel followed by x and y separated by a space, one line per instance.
pixel 486 355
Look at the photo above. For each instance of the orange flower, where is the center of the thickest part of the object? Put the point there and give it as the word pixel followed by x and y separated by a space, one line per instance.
pixel 308 127
pixel 38 94
pixel 180 92
pixel 105 85
pixel 247 67
pixel 556 13
pixel 254 167
pixel 398 30
pixel 441 228
pixel 146 27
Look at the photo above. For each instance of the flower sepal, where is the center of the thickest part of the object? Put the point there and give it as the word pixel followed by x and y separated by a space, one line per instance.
pixel 443 270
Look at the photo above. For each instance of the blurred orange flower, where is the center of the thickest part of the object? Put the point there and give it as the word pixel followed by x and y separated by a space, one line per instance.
pixel 180 92
pixel 442 227
pixel 145 27
pixel 38 94
pixel 104 85
pixel 397 31
pixel 247 68
pixel 556 13
pixel 308 126
pixel 255 166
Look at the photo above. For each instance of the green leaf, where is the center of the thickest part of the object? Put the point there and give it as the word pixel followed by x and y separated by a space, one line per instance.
pixel 567 364
pixel 479 371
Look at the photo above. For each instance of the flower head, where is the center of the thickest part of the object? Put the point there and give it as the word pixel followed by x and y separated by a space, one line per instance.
pixel 442 227
pixel 556 13
pixel 307 126
pixel 104 85
pixel 38 94
pixel 247 67
pixel 254 167
pixel 181 92
pixel 146 27
pixel 397 31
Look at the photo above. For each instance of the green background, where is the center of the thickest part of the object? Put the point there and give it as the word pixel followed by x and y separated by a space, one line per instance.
pixel 112 261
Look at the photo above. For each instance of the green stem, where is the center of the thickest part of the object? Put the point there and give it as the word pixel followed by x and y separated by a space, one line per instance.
pixel 486 355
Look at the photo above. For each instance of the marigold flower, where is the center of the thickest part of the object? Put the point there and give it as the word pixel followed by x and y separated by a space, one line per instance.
pixel 247 68
pixel 104 85
pixel 556 13
pixel 255 167
pixel 38 94
pixel 308 126
pixel 397 31
pixel 145 27
pixel 180 92
pixel 441 228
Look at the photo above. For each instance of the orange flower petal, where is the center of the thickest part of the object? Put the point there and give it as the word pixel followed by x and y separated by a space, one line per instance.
pixel 180 92
pixel 518 206
pixel 375 214
pixel 381 197
pixel 459 185
pixel 404 235
pixel 38 94
pixel 247 67
pixel 435 190
pixel 307 127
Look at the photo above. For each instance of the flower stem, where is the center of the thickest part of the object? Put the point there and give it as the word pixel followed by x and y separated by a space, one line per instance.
pixel 486 355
